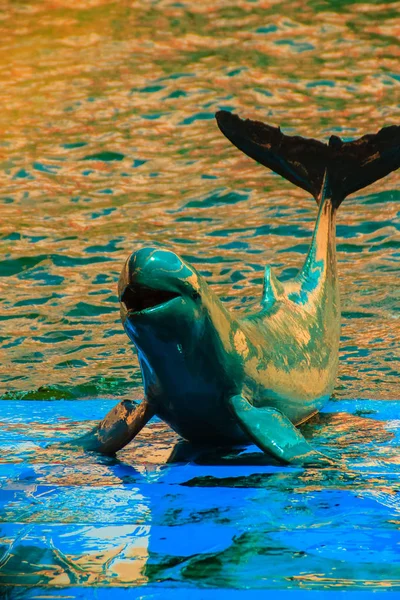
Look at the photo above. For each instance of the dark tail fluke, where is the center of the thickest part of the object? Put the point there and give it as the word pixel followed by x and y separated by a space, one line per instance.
pixel 351 165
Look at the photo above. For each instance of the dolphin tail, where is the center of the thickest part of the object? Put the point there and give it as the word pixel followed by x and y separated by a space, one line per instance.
pixel 303 161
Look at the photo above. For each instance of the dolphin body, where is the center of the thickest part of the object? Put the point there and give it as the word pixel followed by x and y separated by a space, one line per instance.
pixel 215 378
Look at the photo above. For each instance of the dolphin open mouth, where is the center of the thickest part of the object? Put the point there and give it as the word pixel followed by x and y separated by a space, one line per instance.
pixel 138 298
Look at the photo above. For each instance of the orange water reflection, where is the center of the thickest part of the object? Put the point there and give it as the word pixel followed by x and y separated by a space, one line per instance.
pixel 142 81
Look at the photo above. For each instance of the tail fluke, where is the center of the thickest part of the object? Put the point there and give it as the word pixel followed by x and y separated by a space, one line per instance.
pixel 303 161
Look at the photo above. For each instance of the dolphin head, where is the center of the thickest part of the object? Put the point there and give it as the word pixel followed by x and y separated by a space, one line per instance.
pixel 160 299
pixel 181 330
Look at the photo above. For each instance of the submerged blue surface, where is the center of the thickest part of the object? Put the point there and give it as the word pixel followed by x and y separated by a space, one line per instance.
pixel 172 520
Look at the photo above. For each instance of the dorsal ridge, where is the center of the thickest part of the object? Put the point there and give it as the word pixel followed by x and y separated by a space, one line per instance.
pixel 273 288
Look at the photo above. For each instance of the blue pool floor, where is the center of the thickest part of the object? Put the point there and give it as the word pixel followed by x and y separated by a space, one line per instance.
pixel 164 519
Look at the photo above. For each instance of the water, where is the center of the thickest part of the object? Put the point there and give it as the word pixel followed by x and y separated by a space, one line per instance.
pixel 170 518
pixel 109 143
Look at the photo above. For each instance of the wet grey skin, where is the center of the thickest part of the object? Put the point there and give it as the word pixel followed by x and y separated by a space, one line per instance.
pixel 220 379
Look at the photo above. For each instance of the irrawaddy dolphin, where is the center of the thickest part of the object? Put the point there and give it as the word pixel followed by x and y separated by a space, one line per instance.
pixel 219 379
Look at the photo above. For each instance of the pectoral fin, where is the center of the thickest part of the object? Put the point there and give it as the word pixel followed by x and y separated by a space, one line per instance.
pixel 117 428
pixel 271 431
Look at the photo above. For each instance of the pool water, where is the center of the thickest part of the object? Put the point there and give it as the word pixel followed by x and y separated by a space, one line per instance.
pixel 171 518
pixel 109 143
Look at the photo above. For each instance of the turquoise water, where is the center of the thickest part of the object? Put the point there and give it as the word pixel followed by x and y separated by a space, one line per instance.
pixel 108 144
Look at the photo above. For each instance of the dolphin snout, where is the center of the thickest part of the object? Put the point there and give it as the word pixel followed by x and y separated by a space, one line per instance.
pixel 149 278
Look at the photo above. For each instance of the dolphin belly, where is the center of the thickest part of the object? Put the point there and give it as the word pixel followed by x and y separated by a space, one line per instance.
pixel 200 418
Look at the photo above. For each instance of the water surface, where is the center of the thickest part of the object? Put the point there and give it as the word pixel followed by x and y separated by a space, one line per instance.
pixel 109 143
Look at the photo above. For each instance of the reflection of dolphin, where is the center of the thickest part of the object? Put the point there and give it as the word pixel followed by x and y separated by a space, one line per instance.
pixel 220 379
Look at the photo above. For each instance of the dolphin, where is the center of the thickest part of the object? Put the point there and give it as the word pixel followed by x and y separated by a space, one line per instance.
pixel 221 379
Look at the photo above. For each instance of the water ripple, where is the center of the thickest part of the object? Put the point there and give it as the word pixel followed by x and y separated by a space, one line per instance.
pixel 109 144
